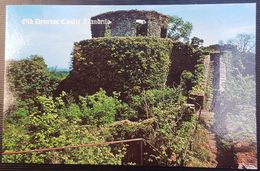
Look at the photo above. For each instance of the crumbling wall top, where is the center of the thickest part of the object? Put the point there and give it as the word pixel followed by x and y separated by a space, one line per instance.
pixel 129 23
pixel 134 14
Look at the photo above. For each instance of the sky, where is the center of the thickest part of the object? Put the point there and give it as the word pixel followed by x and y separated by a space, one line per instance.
pixel 54 42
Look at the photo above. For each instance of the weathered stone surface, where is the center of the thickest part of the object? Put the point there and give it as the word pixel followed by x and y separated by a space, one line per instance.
pixel 219 73
pixel 129 23
pixel 219 78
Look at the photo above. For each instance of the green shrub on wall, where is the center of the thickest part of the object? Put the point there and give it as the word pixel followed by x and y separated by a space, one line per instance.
pixel 184 57
pixel 124 64
pixel 187 67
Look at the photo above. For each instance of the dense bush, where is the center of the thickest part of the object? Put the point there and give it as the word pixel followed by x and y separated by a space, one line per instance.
pixel 19 112
pixel 28 78
pixel 199 80
pixel 126 129
pixel 62 121
pixel 164 123
pixel 127 65
pixel 57 123
pixel 186 79
pixel 149 99
pixel 59 133
pixel 58 75
pixel 97 109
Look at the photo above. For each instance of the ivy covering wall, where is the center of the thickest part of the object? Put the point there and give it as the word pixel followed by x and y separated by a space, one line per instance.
pixel 127 65
pixel 184 58
pixel 189 69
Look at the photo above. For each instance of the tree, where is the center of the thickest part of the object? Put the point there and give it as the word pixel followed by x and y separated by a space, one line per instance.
pixel 243 48
pixel 244 42
pixel 28 78
pixel 196 42
pixel 179 29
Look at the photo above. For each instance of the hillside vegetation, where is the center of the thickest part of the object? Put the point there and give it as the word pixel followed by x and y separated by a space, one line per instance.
pixel 116 90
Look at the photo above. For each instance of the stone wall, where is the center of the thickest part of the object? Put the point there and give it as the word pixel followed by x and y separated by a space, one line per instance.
pixel 207 81
pixel 123 28
pixel 219 79
pixel 153 28
pixel 219 74
pixel 124 23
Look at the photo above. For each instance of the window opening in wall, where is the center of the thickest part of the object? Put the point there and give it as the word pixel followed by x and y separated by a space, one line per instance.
pixel 163 32
pixel 141 28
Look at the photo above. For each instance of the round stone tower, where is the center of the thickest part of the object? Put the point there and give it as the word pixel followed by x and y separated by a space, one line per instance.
pixel 129 23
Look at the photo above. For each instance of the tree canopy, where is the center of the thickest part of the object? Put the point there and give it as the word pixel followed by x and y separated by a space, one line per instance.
pixel 179 29
pixel 28 77
pixel 243 42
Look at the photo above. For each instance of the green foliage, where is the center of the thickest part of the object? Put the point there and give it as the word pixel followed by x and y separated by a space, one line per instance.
pixel 28 78
pixel 186 81
pixel 19 113
pixel 66 133
pixel 101 109
pixel 200 154
pixel 169 141
pixel 126 129
pixel 107 31
pixel 162 115
pixel 179 29
pixel 137 68
pixel 150 99
pixel 187 68
pixel 196 42
pixel 97 109
pixel 124 64
pixel 15 138
pixel 198 87
pixel 243 42
pixel 57 75
pixel 182 141
pixel 58 124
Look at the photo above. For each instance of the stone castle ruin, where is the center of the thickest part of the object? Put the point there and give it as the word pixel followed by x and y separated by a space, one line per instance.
pixel 129 52
pixel 124 38
pixel 129 23
pixel 113 63
pixel 137 27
